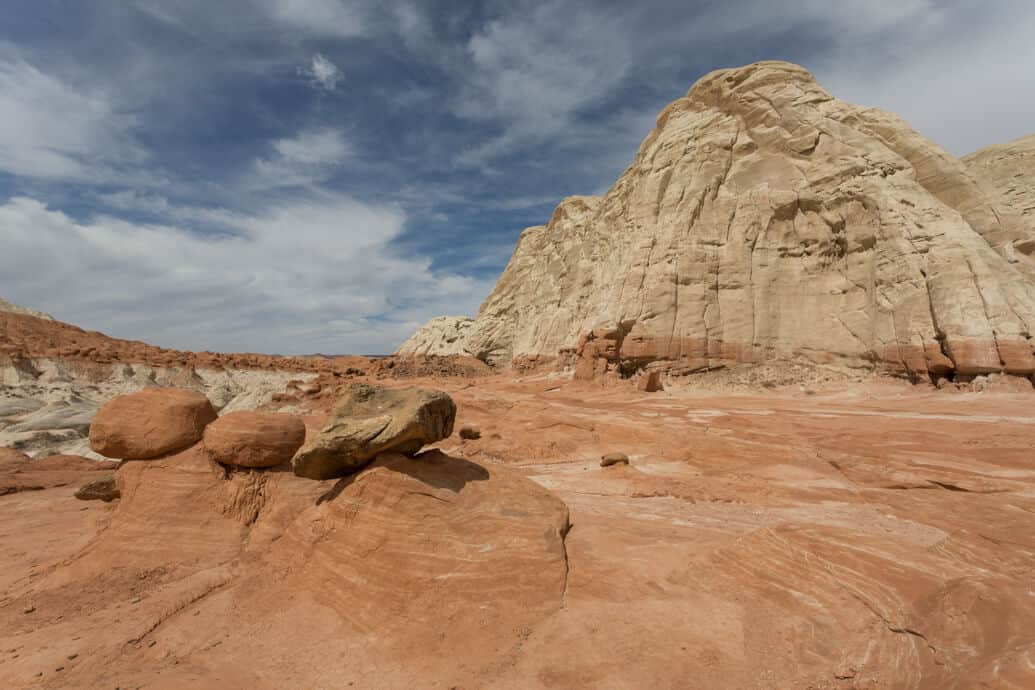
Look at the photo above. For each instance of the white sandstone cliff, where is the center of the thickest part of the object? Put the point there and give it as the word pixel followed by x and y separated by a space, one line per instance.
pixel 763 218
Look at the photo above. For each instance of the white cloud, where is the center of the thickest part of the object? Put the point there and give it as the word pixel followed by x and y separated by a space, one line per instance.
pixel 303 160
pixel 964 87
pixel 53 130
pixel 313 274
pixel 337 18
pixel 322 73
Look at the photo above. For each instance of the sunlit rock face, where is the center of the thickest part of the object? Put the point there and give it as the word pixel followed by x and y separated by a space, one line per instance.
pixel 763 218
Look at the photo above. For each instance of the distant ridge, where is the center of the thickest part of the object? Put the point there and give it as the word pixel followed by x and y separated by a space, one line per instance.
pixel 15 309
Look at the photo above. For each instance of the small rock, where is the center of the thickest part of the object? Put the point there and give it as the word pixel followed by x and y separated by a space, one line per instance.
pixel 29 609
pixel 104 489
pixel 614 459
pixel 469 432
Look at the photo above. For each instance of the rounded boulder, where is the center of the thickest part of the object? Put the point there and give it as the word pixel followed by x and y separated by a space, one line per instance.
pixel 150 423
pixel 254 439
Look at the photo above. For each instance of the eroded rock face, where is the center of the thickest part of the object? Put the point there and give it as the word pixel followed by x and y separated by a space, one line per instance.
pixel 444 335
pixel 763 219
pixel 150 423
pixel 254 439
pixel 367 421
pixel 1010 170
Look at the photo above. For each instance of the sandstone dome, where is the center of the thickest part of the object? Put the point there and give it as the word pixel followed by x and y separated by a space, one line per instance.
pixel 763 219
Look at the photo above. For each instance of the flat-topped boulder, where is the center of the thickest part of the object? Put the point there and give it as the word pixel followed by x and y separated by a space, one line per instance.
pixel 150 423
pixel 369 420
pixel 254 439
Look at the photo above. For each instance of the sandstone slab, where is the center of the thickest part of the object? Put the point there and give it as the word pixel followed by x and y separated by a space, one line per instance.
pixel 367 421
pixel 150 423
pixel 254 439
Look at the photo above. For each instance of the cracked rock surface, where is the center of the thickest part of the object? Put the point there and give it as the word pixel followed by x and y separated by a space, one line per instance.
pixel 764 218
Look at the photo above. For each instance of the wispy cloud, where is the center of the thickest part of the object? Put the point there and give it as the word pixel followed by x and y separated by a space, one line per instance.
pixel 313 273
pixel 55 130
pixel 339 18
pixel 303 160
pixel 322 73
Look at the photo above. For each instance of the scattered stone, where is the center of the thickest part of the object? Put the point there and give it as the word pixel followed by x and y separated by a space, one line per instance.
pixel 469 432
pixel 254 439
pixel 614 459
pixel 150 423
pixel 104 489
pixel 367 421
pixel 29 609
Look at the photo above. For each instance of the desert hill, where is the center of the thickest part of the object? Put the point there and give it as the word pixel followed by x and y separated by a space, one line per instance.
pixel 764 219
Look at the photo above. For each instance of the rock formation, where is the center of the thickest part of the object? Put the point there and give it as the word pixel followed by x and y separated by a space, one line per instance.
pixel 368 421
pixel 254 439
pixel 444 335
pixel 150 423
pixel 1010 169
pixel 764 219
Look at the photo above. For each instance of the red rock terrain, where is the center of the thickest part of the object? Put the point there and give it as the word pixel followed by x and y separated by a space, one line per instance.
pixel 875 537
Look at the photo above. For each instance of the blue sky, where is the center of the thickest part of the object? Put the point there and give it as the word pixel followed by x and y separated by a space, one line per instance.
pixel 302 176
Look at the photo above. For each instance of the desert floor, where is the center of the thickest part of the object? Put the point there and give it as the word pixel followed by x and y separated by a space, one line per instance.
pixel 877 536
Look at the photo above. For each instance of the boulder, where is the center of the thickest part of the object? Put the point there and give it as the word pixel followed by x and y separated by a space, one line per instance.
pixel 254 439
pixel 614 459
pixel 367 421
pixel 104 489
pixel 469 432
pixel 150 423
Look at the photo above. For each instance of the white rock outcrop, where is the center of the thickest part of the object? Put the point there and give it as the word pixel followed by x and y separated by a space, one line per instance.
pixel 762 218
pixel 1010 169
pixel 443 335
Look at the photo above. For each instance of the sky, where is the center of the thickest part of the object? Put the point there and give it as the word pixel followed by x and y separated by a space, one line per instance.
pixel 303 176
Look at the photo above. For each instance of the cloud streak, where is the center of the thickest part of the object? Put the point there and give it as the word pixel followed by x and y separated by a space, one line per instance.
pixel 318 274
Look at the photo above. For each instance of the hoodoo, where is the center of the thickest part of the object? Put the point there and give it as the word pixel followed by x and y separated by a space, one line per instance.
pixel 763 218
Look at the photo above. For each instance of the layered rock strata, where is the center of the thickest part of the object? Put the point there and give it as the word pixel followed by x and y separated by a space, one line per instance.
pixel 764 219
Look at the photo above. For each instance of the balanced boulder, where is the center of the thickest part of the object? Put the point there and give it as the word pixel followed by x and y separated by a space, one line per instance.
pixel 150 423
pixel 367 421
pixel 254 439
